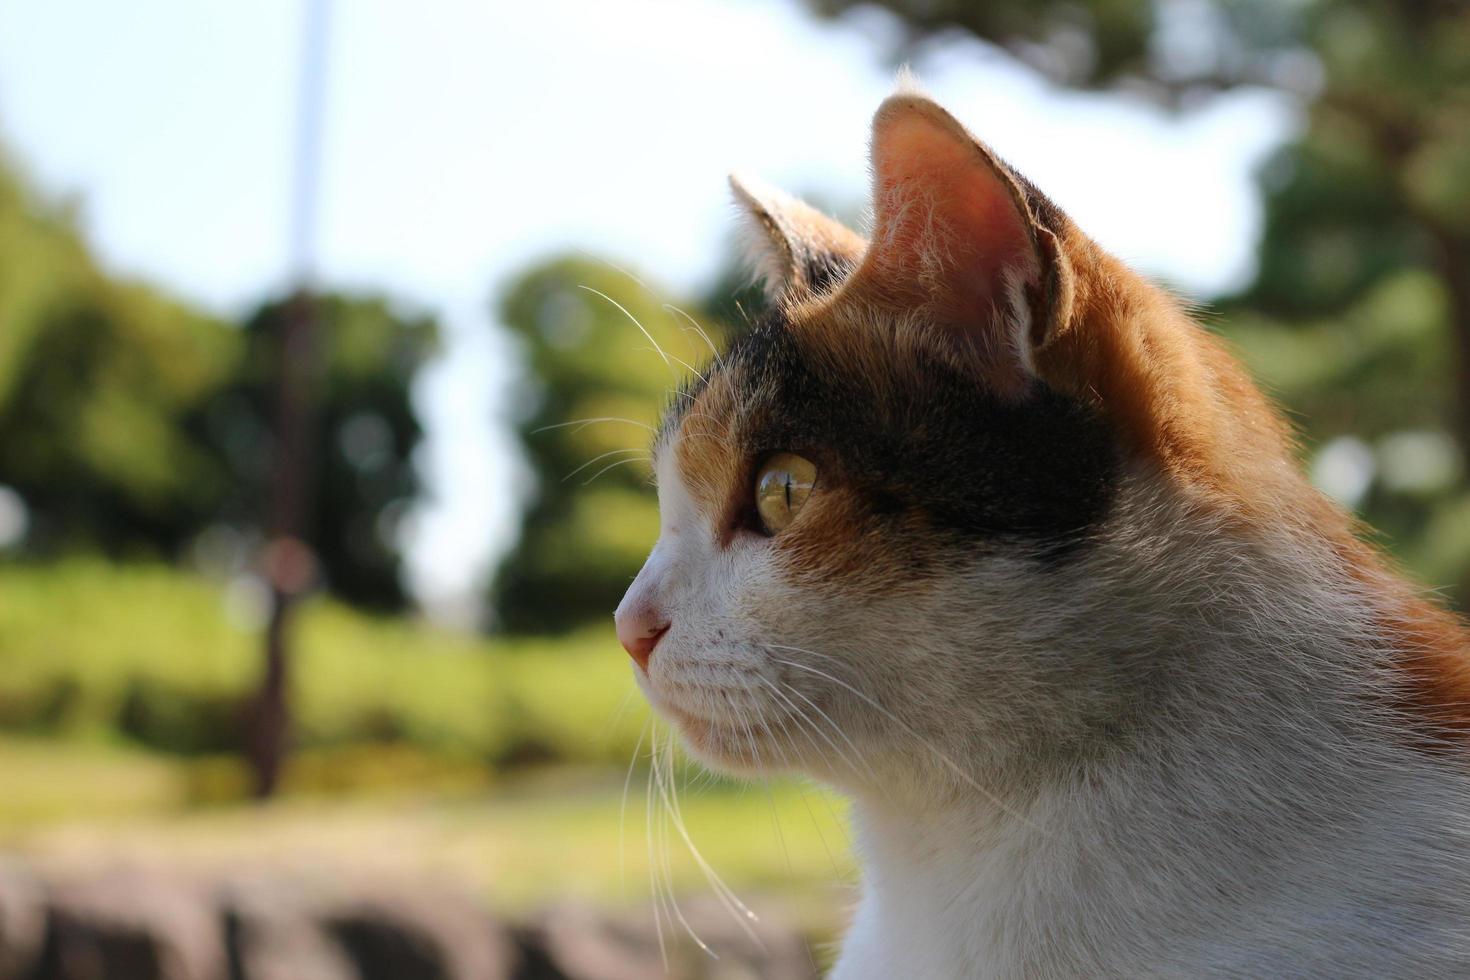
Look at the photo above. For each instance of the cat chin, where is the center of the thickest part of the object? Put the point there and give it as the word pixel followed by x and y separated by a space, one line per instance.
pixel 729 749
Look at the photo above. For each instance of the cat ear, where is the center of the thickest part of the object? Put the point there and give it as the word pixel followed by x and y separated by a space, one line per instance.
pixel 955 236
pixel 795 249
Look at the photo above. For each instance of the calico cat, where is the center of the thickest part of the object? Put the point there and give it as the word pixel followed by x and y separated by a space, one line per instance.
pixel 979 527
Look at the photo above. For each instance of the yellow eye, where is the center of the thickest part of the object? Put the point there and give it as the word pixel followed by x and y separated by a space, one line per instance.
pixel 783 485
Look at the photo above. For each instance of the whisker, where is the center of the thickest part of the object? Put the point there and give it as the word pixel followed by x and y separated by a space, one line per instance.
pixel 653 887
pixel 601 456
pixel 623 810
pixel 706 415
pixel 714 351
pixel 664 774
pixel 686 365
pixel 805 728
pixel 755 759
pixel 613 266
pixel 837 821
pixel 744 313
pixel 719 439
pixel 817 825
pixel 789 712
pixel 583 423
pixel 857 753
pixel 668 790
pixel 630 316
pixel 776 826
pixel 723 437
pixel 785 760
pixel 949 763
pixel 619 712
pixel 615 465
pixel 723 892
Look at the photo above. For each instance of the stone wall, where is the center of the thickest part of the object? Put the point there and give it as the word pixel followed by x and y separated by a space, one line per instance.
pixel 126 924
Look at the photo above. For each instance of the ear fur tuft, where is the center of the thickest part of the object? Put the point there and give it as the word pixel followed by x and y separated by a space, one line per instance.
pixel 794 249
pixel 906 82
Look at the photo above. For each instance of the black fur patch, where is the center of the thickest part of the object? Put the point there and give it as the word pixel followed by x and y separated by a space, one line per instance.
pixel 1040 468
pixel 824 271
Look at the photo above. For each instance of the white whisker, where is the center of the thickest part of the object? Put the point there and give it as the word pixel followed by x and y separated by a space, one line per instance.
pixel 686 365
pixel 613 266
pixel 619 712
pixel 791 712
pixel 583 423
pixel 723 892
pixel 949 763
pixel 653 886
pixel 856 752
pixel 714 351
pixel 615 465
pixel 659 350
pixel 706 415
pixel 623 810
pixel 599 457
pixel 667 793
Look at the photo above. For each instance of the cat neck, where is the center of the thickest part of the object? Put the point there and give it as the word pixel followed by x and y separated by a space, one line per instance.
pixel 1265 784
pixel 1115 872
pixel 1116 869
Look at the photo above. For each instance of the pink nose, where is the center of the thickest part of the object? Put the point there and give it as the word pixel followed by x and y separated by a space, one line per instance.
pixel 639 630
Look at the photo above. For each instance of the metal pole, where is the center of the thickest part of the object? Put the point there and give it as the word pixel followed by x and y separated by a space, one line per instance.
pixel 288 562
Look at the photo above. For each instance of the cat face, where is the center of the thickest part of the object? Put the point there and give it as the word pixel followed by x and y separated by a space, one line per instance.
pixel 838 532
pixel 893 510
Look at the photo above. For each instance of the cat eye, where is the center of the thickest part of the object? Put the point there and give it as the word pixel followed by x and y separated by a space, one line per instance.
pixel 782 487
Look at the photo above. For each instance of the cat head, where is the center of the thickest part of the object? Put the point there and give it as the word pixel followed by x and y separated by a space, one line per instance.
pixel 913 513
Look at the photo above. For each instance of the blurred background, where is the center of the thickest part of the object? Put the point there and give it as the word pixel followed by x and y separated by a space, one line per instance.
pixel 322 408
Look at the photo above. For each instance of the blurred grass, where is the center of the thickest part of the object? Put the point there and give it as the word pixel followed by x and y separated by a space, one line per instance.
pixel 149 656
pixel 47 780
pixel 500 764
pixel 537 837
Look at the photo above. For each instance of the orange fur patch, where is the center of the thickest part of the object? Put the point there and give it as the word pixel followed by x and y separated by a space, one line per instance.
pixel 709 455
pixel 1180 400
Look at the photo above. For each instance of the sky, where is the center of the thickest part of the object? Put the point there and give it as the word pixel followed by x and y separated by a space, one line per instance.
pixel 465 140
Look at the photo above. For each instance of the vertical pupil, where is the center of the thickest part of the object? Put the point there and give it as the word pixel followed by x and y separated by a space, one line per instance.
pixel 787 488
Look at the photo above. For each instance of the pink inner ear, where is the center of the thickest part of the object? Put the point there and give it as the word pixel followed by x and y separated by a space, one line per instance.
pixel 947 222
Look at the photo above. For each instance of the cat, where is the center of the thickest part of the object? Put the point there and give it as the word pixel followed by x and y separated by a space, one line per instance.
pixel 977 526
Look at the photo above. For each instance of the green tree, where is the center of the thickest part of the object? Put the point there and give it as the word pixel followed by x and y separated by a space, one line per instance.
pixel 591 336
pixel 132 423
pixel 365 434
pixel 98 378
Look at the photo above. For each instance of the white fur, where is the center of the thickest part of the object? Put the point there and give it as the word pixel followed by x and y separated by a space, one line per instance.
pixel 1017 318
pixel 1160 759
pixel 764 247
